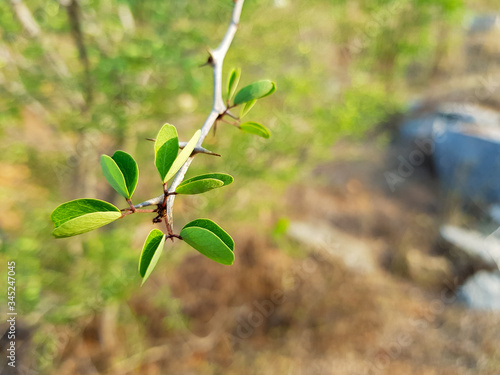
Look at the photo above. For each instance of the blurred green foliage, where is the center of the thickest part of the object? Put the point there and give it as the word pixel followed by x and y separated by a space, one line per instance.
pixel 341 68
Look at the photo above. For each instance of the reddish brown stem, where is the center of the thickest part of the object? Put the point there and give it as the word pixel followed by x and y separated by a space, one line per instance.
pixel 131 205
pixel 172 236
pixel 169 230
pixel 128 211
pixel 138 210
pixel 231 123
pixel 164 205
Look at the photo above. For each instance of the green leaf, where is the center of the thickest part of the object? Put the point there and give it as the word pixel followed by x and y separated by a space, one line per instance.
pixel 151 251
pixel 129 168
pixel 198 187
pixel 232 82
pixel 82 215
pixel 213 227
pixel 166 149
pixel 121 171
pixel 183 156
pixel 209 239
pixel 247 107
pixel 224 177
pixel 114 175
pixel 255 128
pixel 205 182
pixel 255 90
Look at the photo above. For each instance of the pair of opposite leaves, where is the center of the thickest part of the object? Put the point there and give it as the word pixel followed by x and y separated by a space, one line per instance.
pixel 121 169
pixel 203 235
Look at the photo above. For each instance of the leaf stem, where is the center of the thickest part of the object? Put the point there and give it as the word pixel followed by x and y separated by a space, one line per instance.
pixel 129 210
pixel 131 205
pixel 230 114
pixel 172 236
pixel 230 122
pixel 165 195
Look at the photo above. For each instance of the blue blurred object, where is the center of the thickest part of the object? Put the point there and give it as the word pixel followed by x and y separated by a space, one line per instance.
pixel 466 147
pixel 417 128
pixel 469 164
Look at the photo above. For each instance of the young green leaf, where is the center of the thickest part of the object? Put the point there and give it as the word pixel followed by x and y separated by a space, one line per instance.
pixel 166 149
pixel 255 90
pixel 182 157
pixel 151 251
pixel 255 128
pixel 232 82
pixel 82 215
pixel 128 166
pixel 209 239
pixel 247 107
pixel 114 175
pixel 202 183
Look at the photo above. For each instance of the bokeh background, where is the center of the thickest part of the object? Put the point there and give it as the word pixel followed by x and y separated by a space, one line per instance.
pixel 337 271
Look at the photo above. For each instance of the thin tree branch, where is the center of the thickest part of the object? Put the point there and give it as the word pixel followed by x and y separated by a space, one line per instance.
pixel 32 29
pixel 25 18
pixel 73 10
pixel 216 61
pixel 29 24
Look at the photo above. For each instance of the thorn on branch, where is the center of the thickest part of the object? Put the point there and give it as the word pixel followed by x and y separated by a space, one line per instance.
pixel 198 150
pixel 210 60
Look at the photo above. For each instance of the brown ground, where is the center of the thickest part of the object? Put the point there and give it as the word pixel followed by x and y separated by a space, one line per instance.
pixel 272 313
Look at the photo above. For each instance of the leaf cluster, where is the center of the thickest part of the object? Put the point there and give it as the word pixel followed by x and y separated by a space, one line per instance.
pixel 247 97
pixel 122 173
